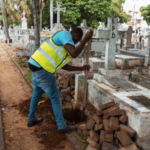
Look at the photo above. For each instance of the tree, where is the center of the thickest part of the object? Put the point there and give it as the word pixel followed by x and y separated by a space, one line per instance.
pixel 91 10
pixel 36 25
pixel 41 10
pixel 116 10
pixel 15 9
pixel 145 12
pixel 5 19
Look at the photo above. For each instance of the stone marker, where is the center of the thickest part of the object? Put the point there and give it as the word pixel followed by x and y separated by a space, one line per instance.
pixel 123 118
pixel 107 105
pixel 102 137
pixel 90 147
pixel 93 143
pixel 107 146
pixel 116 112
pixel 128 130
pixel 97 119
pixel 90 124
pixel 108 110
pixel 106 127
pixel 114 123
pixel 123 138
pixel 109 138
pixel 94 135
pixel 98 127
pixel 143 144
pixel 129 147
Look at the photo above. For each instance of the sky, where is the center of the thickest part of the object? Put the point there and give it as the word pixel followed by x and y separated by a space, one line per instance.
pixel 137 2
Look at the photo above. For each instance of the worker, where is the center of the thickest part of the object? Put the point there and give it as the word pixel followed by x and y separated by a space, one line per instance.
pixel 52 55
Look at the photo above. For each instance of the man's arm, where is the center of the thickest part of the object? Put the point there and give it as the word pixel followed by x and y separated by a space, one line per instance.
pixel 74 52
pixel 74 68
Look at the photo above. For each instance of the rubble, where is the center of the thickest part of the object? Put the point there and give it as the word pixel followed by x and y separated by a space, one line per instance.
pixel 108 131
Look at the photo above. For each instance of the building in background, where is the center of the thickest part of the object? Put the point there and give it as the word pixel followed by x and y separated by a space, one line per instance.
pixel 137 20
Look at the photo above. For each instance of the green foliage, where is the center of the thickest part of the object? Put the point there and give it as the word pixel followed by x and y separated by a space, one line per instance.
pixel 45 95
pixel 91 10
pixel 145 12
pixel 15 9
pixel 29 76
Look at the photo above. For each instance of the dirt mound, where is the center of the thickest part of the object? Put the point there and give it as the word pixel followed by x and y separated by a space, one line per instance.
pixel 47 130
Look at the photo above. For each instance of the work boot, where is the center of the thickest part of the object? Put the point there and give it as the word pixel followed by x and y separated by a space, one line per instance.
pixel 35 122
pixel 66 130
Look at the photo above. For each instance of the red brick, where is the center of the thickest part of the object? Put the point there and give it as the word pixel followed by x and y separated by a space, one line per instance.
pixel 109 138
pixel 93 143
pixel 90 147
pixel 128 130
pixel 107 146
pixel 106 127
pixel 143 144
pixel 99 112
pixel 108 110
pixel 82 127
pixel 123 138
pixel 90 124
pixel 107 105
pixel 129 147
pixel 97 119
pixel 98 127
pixel 123 118
pixel 116 112
pixel 80 132
pixel 68 98
pixel 86 132
pixel 105 117
pixel 94 135
pixel 65 91
pixel 65 83
pixel 102 137
pixel 114 123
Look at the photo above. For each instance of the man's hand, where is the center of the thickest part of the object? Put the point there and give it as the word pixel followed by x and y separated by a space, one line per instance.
pixel 85 67
pixel 89 35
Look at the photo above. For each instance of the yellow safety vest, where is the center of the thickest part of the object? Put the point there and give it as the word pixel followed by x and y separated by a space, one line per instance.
pixel 50 56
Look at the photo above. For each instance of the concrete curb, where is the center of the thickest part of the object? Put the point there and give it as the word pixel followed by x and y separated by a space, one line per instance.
pixel 1 131
pixel 74 142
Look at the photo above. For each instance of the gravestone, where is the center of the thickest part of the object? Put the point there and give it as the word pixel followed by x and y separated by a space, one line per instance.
pixel 24 21
pixel 147 56
pixel 129 37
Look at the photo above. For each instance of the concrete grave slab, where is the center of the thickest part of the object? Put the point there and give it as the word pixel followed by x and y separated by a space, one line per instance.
pixel 125 61
pixel 138 114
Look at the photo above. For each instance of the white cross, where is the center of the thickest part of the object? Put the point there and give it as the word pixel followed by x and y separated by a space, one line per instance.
pixel 58 9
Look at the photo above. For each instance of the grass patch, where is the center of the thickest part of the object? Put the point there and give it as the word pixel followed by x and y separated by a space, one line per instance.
pixel 45 95
pixel 29 76
pixel 81 139
pixel 68 105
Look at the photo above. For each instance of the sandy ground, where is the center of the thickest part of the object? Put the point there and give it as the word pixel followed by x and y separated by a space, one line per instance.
pixel 14 90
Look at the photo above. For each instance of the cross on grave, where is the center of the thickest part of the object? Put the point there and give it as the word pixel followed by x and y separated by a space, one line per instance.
pixel 147 56
pixel 58 9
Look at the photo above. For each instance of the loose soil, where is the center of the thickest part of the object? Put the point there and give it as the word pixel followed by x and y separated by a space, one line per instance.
pixel 47 131
pixel 15 90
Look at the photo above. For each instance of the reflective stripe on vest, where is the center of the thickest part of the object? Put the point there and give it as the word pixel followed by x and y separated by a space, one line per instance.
pixel 51 57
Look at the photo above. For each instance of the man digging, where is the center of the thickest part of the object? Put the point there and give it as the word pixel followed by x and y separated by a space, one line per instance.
pixel 51 56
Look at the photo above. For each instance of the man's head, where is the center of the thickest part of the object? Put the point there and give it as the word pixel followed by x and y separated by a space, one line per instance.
pixel 77 34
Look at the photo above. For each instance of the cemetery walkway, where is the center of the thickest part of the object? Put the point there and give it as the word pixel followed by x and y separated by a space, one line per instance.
pixel 14 90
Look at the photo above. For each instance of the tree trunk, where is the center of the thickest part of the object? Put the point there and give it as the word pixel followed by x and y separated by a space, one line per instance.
pixel 41 20
pixel 5 19
pixel 36 25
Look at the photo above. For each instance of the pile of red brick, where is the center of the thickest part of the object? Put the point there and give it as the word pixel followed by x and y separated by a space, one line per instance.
pixel 66 84
pixel 107 130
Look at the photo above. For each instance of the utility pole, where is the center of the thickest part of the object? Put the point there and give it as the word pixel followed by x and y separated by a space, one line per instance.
pixel 5 20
